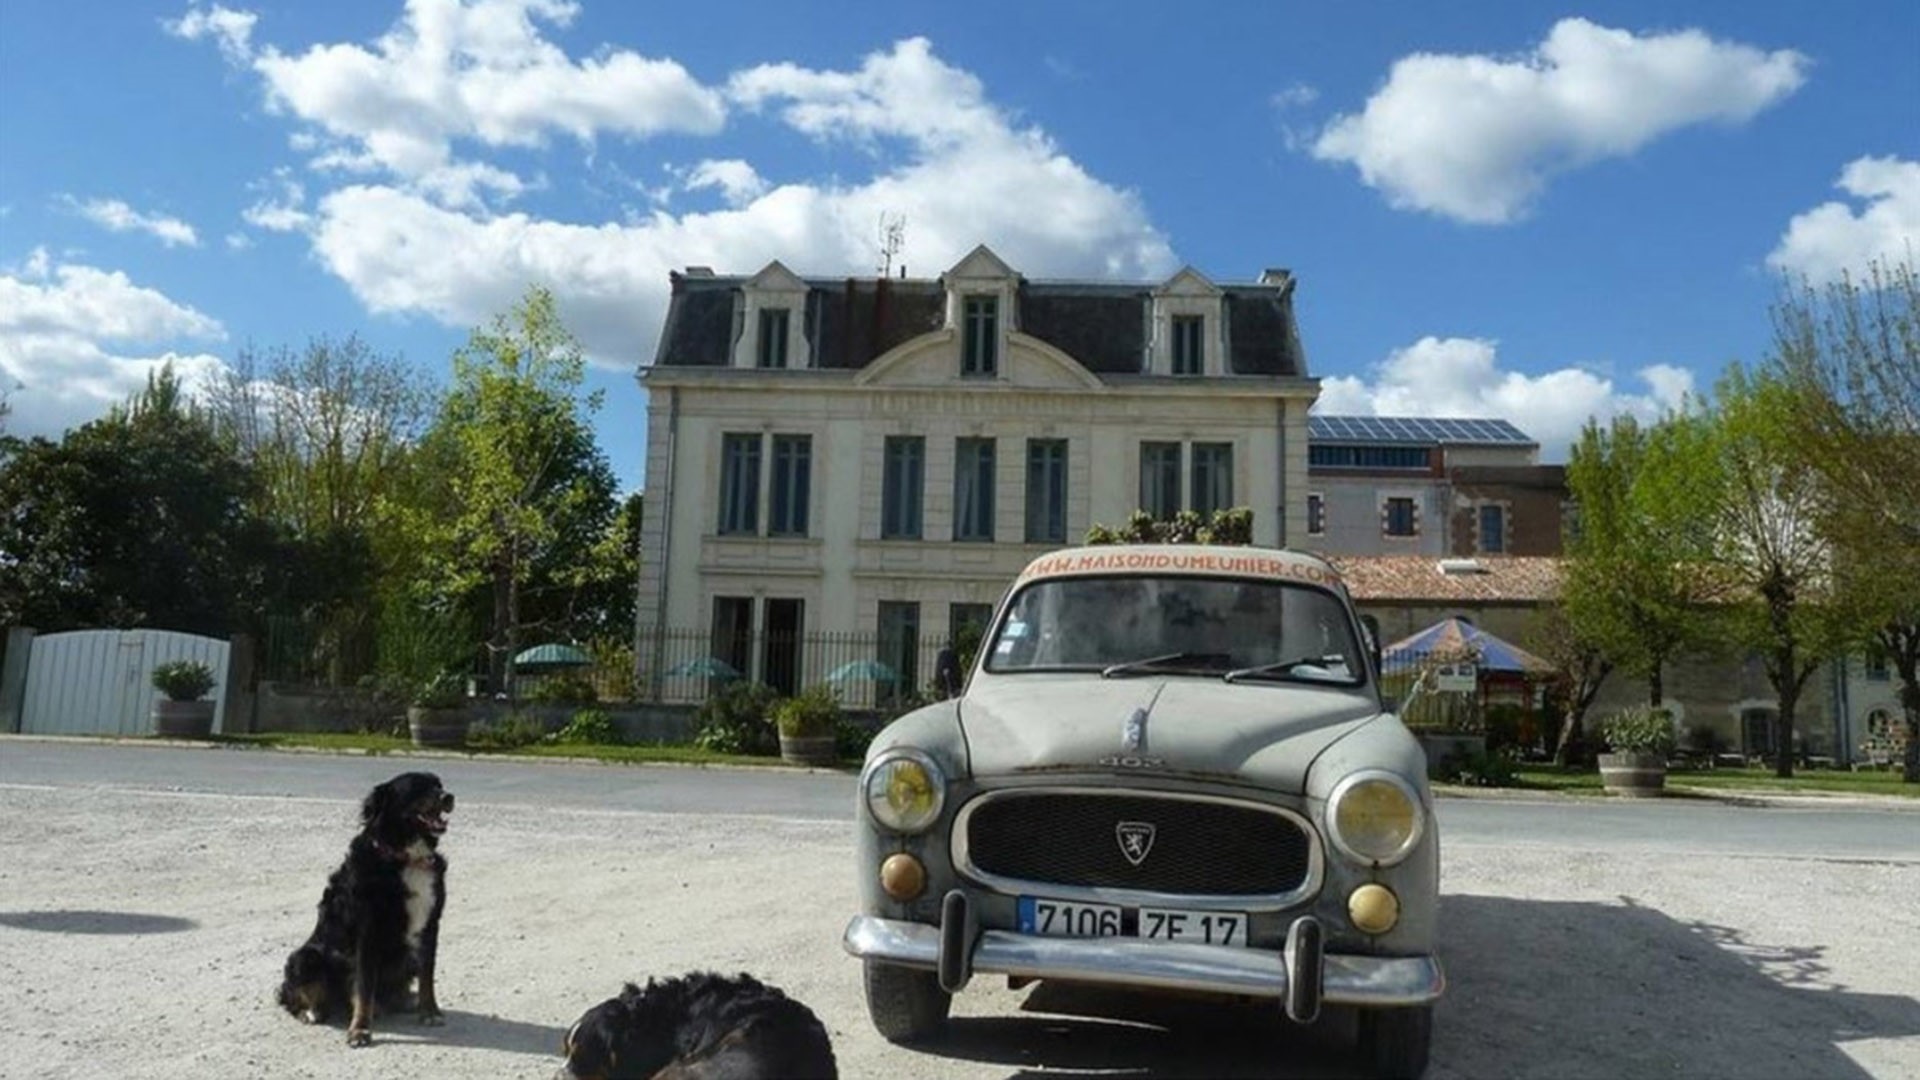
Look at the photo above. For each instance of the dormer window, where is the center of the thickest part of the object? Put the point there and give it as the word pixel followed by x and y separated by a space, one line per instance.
pixel 1188 336
pixel 980 336
pixel 773 337
pixel 1189 357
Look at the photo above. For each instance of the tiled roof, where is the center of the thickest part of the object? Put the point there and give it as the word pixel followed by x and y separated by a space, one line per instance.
pixel 1514 579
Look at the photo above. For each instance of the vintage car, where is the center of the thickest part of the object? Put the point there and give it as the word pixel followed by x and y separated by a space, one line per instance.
pixel 1172 767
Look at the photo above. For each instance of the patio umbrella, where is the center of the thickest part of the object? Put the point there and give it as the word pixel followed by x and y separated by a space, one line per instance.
pixel 863 669
pixel 1457 641
pixel 551 657
pixel 707 667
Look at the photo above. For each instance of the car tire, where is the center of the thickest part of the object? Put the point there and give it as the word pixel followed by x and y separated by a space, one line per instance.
pixel 906 1004
pixel 1395 1042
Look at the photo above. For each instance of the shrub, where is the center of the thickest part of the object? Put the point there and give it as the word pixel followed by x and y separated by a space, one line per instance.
pixel 509 732
pixel 447 690
pixel 565 687
pixel 590 726
pixel 851 738
pixel 811 712
pixel 1640 729
pixel 183 680
pixel 1473 768
pixel 733 720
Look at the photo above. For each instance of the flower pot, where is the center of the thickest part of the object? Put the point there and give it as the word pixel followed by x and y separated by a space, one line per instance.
pixel 437 727
pixel 807 749
pixel 182 719
pixel 1634 775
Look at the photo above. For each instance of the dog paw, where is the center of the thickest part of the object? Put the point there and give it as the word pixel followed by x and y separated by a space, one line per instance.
pixel 359 1037
pixel 311 1016
pixel 431 1017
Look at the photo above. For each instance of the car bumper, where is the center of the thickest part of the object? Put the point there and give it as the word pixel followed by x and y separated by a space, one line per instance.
pixel 1345 979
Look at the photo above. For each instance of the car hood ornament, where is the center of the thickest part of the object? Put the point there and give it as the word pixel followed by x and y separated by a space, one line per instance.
pixel 1136 839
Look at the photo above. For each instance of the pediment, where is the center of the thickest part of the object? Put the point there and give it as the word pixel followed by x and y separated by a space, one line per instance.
pixel 981 263
pixel 1188 282
pixel 933 360
pixel 775 277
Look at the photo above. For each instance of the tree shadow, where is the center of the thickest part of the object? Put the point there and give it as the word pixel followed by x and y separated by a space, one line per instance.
pixel 95 922
pixel 1556 990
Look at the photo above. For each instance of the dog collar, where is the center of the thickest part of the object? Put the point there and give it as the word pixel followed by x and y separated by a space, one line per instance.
pixel 400 855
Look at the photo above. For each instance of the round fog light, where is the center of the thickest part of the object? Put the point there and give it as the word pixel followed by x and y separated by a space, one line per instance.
pixel 1373 908
pixel 902 876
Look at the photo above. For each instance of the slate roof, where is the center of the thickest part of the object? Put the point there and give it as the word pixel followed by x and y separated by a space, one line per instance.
pixel 1509 579
pixel 1104 326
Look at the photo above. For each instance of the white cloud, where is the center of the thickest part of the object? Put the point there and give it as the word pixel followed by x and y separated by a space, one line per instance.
pixel 72 338
pixel 117 216
pixel 1477 138
pixel 238 241
pixel 737 181
pixel 1294 96
pixel 1831 238
pixel 1462 377
pixel 956 170
pixel 232 29
pixel 449 72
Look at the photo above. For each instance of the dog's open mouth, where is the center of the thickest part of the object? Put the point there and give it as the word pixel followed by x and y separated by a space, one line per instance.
pixel 433 821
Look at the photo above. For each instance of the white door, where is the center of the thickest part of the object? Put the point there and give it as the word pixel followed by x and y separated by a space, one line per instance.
pixel 99 682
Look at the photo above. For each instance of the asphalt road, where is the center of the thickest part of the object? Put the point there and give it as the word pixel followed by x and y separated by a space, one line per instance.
pixel 149 894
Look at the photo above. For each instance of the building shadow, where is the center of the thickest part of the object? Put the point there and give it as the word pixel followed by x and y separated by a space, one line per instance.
pixel 95 922
pixel 1555 990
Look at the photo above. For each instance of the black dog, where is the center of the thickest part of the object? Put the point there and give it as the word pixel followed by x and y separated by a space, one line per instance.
pixel 699 1027
pixel 379 925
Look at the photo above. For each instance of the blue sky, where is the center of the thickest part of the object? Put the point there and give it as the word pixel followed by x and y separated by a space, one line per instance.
pixel 1496 209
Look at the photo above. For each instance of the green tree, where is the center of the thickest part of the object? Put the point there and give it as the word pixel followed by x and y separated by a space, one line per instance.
pixel 140 518
pixel 1850 352
pixel 1581 666
pixel 528 491
pixel 1634 586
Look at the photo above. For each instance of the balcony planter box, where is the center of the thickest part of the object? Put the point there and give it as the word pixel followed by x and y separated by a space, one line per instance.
pixel 1636 775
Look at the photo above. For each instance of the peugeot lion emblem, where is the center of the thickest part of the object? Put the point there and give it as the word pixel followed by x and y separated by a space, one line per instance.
pixel 1136 839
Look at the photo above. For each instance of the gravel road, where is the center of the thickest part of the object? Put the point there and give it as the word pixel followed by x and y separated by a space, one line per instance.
pixel 141 935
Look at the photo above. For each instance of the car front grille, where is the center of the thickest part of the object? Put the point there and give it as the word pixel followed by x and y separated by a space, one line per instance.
pixel 1199 846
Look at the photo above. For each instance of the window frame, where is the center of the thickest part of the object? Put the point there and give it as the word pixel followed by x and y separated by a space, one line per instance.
pixel 1046 521
pixel 790 485
pixel 1187 355
pixel 1215 461
pixel 1161 473
pixel 771 347
pixel 980 335
pixel 980 455
pixel 739 499
pixel 903 476
pixel 1386 517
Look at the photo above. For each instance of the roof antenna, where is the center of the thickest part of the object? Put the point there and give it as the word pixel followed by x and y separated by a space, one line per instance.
pixel 893 237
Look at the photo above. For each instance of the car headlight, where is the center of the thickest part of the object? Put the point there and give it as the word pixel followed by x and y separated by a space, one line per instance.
pixel 904 790
pixel 1374 816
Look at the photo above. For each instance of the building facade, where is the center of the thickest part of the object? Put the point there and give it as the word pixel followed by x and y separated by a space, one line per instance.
pixel 877 458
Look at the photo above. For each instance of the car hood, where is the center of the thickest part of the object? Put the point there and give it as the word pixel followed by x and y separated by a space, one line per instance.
pixel 1256 733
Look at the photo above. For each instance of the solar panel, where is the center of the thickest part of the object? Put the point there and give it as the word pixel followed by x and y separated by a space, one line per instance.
pixel 1422 430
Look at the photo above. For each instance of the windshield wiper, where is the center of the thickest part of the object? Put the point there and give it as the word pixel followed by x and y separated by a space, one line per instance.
pixel 1284 668
pixel 1132 667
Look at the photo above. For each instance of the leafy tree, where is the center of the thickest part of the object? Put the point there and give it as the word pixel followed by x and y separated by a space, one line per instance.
pixel 1227 526
pixel 1582 668
pixel 1850 352
pixel 1634 587
pixel 140 518
pixel 527 491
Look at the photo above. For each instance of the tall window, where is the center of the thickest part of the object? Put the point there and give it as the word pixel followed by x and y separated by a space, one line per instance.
pixel 780 645
pixel 1160 479
pixel 1212 477
pixel 1493 529
pixel 962 616
pixel 792 468
pixel 773 337
pixel 732 641
pixel 900 642
pixel 1046 491
pixel 1189 357
pixel 903 474
pixel 740 483
pixel 973 489
pixel 980 336
pixel 1316 514
pixel 1877 667
pixel 1399 519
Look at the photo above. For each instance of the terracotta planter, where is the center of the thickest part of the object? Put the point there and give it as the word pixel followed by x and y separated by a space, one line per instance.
pixel 182 719
pixel 441 728
pixel 1635 775
pixel 807 749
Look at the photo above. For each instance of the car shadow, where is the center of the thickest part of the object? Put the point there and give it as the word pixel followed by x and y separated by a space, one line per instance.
pixel 95 922
pixel 1561 990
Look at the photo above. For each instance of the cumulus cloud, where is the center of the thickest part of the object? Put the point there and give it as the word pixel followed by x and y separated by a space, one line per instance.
pixel 450 74
pixel 1832 238
pixel 1462 377
pixel 1477 138
pixel 116 216
pixel 76 339
pixel 736 180
pixel 233 30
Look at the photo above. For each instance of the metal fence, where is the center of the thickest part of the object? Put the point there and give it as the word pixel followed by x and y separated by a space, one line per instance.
pixel 868 670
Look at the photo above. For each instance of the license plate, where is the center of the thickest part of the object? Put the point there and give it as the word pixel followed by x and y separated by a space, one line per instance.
pixel 1069 918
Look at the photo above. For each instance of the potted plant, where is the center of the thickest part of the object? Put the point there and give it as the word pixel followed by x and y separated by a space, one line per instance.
pixel 437 715
pixel 183 713
pixel 1639 740
pixel 807 723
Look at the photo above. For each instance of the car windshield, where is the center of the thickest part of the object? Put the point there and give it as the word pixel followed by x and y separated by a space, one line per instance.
pixel 1141 625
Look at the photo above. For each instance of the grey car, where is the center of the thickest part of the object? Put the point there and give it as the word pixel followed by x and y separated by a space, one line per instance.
pixel 1172 767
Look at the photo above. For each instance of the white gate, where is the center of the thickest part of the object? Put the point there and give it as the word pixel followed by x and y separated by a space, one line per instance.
pixel 99 682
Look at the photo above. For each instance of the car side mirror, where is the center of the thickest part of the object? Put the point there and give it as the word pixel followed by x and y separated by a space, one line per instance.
pixel 1370 627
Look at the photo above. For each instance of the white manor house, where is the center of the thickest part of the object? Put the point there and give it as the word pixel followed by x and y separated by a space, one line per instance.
pixel 848 470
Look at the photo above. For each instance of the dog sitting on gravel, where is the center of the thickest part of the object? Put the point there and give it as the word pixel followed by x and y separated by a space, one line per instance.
pixel 379 925
pixel 701 1026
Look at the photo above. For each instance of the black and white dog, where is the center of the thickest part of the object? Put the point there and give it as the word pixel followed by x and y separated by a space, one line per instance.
pixel 379 925
pixel 699 1027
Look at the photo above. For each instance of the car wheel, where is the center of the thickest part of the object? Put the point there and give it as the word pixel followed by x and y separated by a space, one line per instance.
pixel 1395 1041
pixel 906 1004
